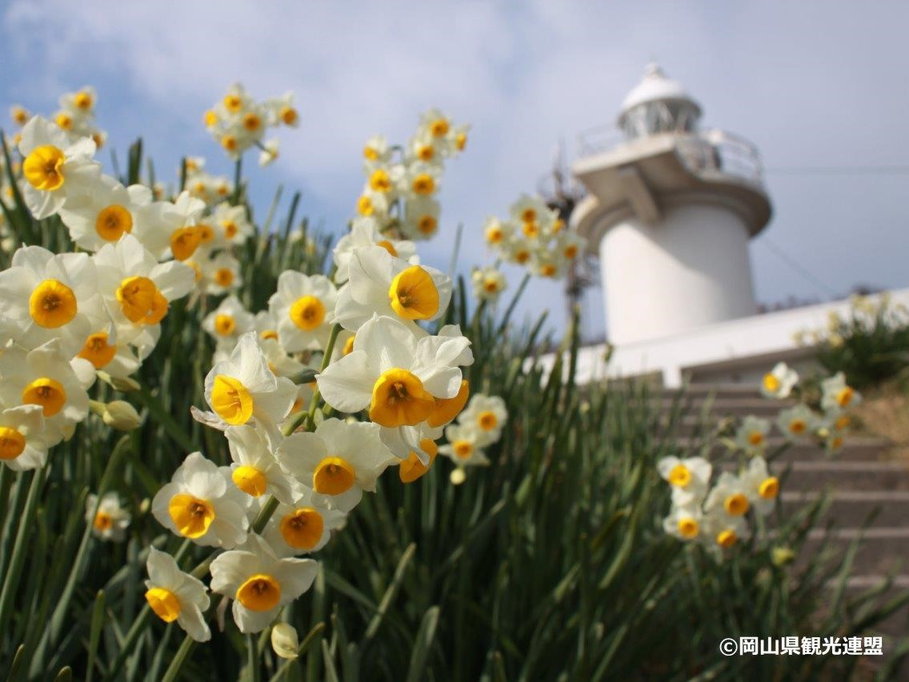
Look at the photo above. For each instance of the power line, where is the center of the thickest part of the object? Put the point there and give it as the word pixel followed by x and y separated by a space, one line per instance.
pixel 839 170
pixel 795 265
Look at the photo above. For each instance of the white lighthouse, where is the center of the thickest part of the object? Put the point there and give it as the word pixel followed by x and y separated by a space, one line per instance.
pixel 670 210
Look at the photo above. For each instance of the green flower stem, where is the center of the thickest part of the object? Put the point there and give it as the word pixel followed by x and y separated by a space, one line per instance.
pixel 314 403
pixel 182 653
pixel 252 657
pixel 265 514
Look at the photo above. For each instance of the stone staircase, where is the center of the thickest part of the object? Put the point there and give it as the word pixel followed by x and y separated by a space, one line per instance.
pixel 869 490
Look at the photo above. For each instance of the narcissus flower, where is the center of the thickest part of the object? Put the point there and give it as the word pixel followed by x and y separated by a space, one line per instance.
pixel 53 167
pixel 464 445
pixel 176 596
pixel 689 478
pixel 730 494
pixel 488 283
pixel 381 284
pixel 723 531
pixel 104 214
pixel 228 322
pixel 23 440
pixel 304 526
pixel 796 422
pixel 366 233
pixel 393 374
pixel 259 582
pixel 752 435
pixel 202 503
pixel 255 469
pixel 779 381
pixel 304 308
pixel 339 460
pixel 762 488
pixel 487 414
pixel 107 517
pixel 243 388
pixel 838 395
pixel 684 522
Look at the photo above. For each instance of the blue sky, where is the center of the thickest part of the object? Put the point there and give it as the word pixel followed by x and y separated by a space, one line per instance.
pixel 815 85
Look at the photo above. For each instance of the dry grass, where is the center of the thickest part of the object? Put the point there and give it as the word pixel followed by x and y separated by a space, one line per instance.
pixel 884 412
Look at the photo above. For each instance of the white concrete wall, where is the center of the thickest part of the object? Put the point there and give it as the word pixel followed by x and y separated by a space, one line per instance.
pixel 690 269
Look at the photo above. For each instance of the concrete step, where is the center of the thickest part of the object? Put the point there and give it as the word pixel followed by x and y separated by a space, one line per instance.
pixel 880 551
pixel 852 508
pixel 855 448
pixel 812 476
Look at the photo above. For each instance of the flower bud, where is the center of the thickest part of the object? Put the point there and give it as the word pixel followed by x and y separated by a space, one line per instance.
pixel 120 415
pixel 284 640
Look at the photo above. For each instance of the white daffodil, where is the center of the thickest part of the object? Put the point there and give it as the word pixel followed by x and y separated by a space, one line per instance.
pixel 138 290
pixel 434 123
pixel 721 531
pixel 176 596
pixel 366 233
pixel 304 308
pixel 202 503
pixel 464 445
pixel 796 422
pixel 529 210
pixel 220 271
pixel 689 478
pixel 270 152
pixel 837 395
pixel 730 494
pixel 761 487
pixel 406 442
pixel 23 440
pixel 304 526
pixel 457 139
pixel 104 214
pixel 487 414
pixel 46 377
pixel 393 374
pixel 105 350
pixel 255 469
pixel 259 582
pixel 778 383
pixel 497 232
pixel 228 322
pixel 281 110
pixel 232 224
pixel 421 217
pixel 108 519
pixel 488 283
pixel 376 151
pixel 169 228
pixel 381 284
pixel 568 245
pixel 338 460
pixel 243 387
pixel 413 467
pixel 44 296
pixel 53 167
pixel 684 522
pixel 751 436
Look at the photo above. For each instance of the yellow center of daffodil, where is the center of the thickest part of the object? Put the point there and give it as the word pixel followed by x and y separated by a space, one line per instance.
pixel 769 488
pixel 842 422
pixel 103 521
pixel 460 141
pixel 427 224
pixel 570 251
pixel 231 400
pixel 423 184
pixel 210 118
pixel 46 392
pixel 20 116
pixel 797 426
pixel 252 122
pixel 548 270
pixel 97 350
pixel 12 443
pixel 836 442
pixel 412 468
pixel 260 592
pixel 379 181
pixel 164 603
pixel 307 312
pixel 755 438
pixel 141 301
pixel 439 127
pixel 112 222
pixel 487 420
pixel 288 115
pixel 225 325
pixel 333 476
pixel 191 515
pixel 184 242
pixel 844 396
pixel 399 399
pixel 771 383
pixel 726 538
pixel 531 230
pixel 490 285
pixel 302 528
pixel 688 527
pixel 52 304
pixel 462 448
pixel 233 103
pixel 680 476
pixel 528 215
pixel 83 100
pixel 558 225
pixel 43 168
pixel 230 228
pixel 388 246
pixel 736 504
pixel 229 143
pixel 269 334
pixel 447 409
pixel 413 294
pixel 250 480
pixel 521 256
pixel 425 152
pixel 370 153
pixel 365 206
pixel 64 121
pixel 494 234
pixel 224 277
pixel 206 233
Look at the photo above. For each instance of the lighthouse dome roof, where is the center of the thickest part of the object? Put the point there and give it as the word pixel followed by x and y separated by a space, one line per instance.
pixel 657 86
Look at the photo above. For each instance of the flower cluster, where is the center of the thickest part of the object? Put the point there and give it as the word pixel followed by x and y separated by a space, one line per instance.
pixel 534 236
pixel 477 427
pixel 76 116
pixel 402 183
pixel 238 122
pixel 202 185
